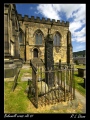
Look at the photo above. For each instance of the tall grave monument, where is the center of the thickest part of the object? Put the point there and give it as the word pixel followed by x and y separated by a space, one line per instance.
pixel 49 61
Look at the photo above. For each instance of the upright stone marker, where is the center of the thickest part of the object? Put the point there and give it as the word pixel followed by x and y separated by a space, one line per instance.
pixel 49 62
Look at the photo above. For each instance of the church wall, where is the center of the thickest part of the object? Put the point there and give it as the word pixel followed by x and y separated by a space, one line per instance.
pixel 58 53
pixel 11 44
pixel 28 26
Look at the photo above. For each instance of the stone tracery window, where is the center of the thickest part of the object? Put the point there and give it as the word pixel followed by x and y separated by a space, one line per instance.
pixel 56 41
pixel 38 38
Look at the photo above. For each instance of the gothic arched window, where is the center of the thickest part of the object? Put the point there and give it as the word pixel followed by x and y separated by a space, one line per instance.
pixel 56 40
pixel 38 38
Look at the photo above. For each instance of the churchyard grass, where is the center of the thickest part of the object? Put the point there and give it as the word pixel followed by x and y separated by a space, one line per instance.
pixel 18 102
pixel 15 101
pixel 80 66
pixel 79 82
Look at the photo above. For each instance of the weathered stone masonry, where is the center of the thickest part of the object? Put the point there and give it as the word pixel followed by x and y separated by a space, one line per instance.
pixel 31 25
pixel 20 36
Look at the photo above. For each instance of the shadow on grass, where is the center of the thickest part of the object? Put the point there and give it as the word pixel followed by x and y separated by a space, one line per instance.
pixel 82 84
pixel 76 75
pixel 14 87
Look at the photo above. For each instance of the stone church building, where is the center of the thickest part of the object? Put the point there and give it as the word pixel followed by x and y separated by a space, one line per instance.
pixel 24 37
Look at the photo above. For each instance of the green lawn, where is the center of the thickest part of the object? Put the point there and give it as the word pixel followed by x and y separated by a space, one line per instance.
pixel 79 82
pixel 80 66
pixel 18 102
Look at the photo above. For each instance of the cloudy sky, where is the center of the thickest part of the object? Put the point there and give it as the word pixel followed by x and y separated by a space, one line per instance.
pixel 74 13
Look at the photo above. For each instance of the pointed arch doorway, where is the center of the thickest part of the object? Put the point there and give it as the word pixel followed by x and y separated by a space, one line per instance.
pixel 35 53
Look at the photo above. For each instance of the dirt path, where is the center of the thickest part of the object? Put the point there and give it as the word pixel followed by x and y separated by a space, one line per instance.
pixel 82 99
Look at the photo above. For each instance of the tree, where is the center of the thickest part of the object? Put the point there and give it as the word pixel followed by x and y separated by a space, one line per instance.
pixel 76 61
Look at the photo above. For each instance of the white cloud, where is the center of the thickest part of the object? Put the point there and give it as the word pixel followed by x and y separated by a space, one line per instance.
pixel 80 14
pixel 80 33
pixel 74 26
pixel 71 10
pixel 80 39
pixel 48 11
pixel 68 9
pixel 78 36
pixel 75 11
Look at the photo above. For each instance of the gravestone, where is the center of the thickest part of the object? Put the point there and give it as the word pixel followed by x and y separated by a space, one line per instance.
pixel 81 72
pixel 49 62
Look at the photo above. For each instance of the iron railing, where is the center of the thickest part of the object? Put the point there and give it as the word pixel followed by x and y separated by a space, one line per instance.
pixel 63 88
